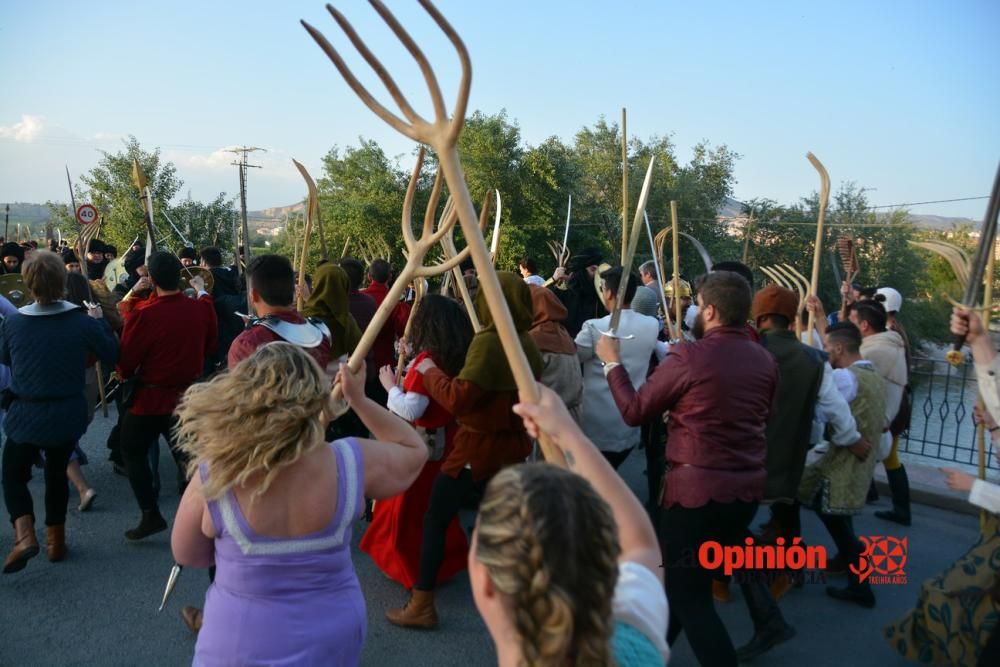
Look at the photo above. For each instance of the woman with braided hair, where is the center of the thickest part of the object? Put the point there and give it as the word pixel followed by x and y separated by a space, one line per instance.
pixel 565 568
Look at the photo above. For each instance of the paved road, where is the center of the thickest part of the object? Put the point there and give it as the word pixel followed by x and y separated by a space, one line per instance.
pixel 99 606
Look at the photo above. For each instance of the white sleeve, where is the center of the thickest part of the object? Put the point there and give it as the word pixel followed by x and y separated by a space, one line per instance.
pixel 834 410
pixel 846 383
pixel 988 375
pixel 662 349
pixel 409 404
pixel 985 495
pixel 641 602
pixel 585 342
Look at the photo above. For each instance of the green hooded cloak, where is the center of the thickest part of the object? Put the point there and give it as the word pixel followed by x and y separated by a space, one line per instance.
pixel 329 303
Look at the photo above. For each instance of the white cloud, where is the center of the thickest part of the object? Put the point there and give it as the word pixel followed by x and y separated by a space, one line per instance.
pixel 25 131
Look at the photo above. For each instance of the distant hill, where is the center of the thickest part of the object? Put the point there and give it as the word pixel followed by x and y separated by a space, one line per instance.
pixel 733 209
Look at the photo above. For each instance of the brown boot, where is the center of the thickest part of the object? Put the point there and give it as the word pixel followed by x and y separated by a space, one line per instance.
pixel 720 590
pixel 418 612
pixel 55 540
pixel 192 618
pixel 25 545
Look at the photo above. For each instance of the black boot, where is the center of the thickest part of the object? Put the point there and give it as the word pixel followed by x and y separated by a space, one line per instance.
pixel 769 627
pixel 899 484
pixel 857 593
pixel 872 496
pixel 152 523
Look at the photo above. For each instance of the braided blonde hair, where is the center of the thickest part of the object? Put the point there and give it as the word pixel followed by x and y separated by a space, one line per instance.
pixel 550 546
pixel 261 416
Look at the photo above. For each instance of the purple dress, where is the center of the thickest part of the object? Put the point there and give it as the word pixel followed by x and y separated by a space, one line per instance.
pixel 286 601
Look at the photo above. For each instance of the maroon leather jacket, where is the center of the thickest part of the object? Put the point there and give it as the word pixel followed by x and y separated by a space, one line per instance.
pixel 719 391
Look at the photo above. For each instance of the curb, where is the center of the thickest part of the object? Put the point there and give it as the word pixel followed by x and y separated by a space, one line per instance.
pixel 924 489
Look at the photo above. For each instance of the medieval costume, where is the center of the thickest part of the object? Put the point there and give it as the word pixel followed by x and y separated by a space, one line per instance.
pixel 46 348
pixel 329 303
pixel 164 347
pixel 561 369
pixel 188 256
pixel 395 535
pixel 719 391
pixel 580 298
pixel 489 436
pixel 837 484
pixel 95 260
pixel 288 326
pixel 71 261
pixel 599 419
pixel 227 299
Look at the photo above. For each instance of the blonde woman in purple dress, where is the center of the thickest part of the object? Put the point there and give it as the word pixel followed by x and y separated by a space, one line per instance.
pixel 271 504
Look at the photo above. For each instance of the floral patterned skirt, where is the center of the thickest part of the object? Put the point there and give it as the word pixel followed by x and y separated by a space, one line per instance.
pixel 956 613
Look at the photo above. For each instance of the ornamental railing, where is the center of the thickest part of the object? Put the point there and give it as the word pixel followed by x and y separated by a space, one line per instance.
pixel 942 426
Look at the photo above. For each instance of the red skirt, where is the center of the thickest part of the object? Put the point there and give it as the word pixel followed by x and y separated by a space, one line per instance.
pixel 396 532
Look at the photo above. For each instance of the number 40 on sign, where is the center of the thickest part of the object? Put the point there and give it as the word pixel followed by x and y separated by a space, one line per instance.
pixel 86 214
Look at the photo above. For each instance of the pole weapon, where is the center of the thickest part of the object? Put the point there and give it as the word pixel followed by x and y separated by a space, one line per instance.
pixel 676 241
pixel 183 238
pixel 985 249
pixel 175 573
pixel 495 242
pixel 824 200
pixel 656 264
pixel 569 211
pixel 706 259
pixel 633 241
pixel 624 188
pixel 311 210
pixel 442 136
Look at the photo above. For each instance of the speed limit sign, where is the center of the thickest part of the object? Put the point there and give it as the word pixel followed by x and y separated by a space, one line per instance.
pixel 86 214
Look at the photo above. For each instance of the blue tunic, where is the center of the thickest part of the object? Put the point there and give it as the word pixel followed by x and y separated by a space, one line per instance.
pixel 47 355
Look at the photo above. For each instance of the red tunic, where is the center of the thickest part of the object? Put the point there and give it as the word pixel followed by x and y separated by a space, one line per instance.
pixel 382 349
pixel 395 534
pixel 251 339
pixel 165 342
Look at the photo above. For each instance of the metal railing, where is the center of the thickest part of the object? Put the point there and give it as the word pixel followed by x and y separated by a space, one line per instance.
pixel 942 426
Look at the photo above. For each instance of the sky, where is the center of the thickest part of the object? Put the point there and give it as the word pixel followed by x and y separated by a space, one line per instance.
pixel 899 97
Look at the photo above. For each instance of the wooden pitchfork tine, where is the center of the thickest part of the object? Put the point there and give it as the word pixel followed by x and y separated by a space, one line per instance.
pixel 796 282
pixel 448 247
pixel 442 135
pixel 413 270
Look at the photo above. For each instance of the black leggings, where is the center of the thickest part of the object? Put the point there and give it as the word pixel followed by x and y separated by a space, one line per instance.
pixel 656 459
pixel 138 434
pixel 682 531
pixel 18 457
pixel 448 496
pixel 841 529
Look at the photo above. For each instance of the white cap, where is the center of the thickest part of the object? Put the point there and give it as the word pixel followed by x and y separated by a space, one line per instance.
pixel 891 299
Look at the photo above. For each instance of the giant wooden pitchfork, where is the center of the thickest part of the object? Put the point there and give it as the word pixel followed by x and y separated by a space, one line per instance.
pixel 441 135
pixel 788 277
pixel 414 268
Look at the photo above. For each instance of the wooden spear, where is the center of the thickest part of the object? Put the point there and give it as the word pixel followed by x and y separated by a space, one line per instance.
pixel 824 200
pixel 624 188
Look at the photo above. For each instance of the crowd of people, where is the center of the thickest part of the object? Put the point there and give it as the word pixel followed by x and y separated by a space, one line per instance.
pixel 733 410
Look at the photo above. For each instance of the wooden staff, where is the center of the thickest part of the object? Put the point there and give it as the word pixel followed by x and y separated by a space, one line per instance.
pixel 624 187
pixel 987 315
pixel 824 200
pixel 676 242
pixel 312 209
pixel 419 288
pixel 448 246
pixel 442 135
pixel 347 243
pixel 87 234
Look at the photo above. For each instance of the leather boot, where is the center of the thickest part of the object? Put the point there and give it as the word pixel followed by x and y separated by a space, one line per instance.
pixel 192 618
pixel 25 545
pixel 899 484
pixel 418 612
pixel 769 626
pixel 55 541
pixel 152 522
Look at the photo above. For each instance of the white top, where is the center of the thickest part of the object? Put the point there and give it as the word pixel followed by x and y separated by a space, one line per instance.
pixel 599 416
pixel 535 280
pixel 832 406
pixel 407 404
pixel 641 602
pixel 988 376
pixel 985 495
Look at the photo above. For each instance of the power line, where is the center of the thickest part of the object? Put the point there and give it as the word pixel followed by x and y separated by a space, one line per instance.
pixel 936 201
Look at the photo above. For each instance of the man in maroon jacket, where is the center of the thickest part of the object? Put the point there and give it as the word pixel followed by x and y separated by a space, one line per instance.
pixel 164 345
pixel 718 390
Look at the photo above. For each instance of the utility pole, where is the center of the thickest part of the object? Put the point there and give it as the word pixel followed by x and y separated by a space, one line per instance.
pixel 6 223
pixel 242 165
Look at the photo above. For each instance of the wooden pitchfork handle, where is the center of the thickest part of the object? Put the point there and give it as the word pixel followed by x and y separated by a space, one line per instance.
pixel 442 135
